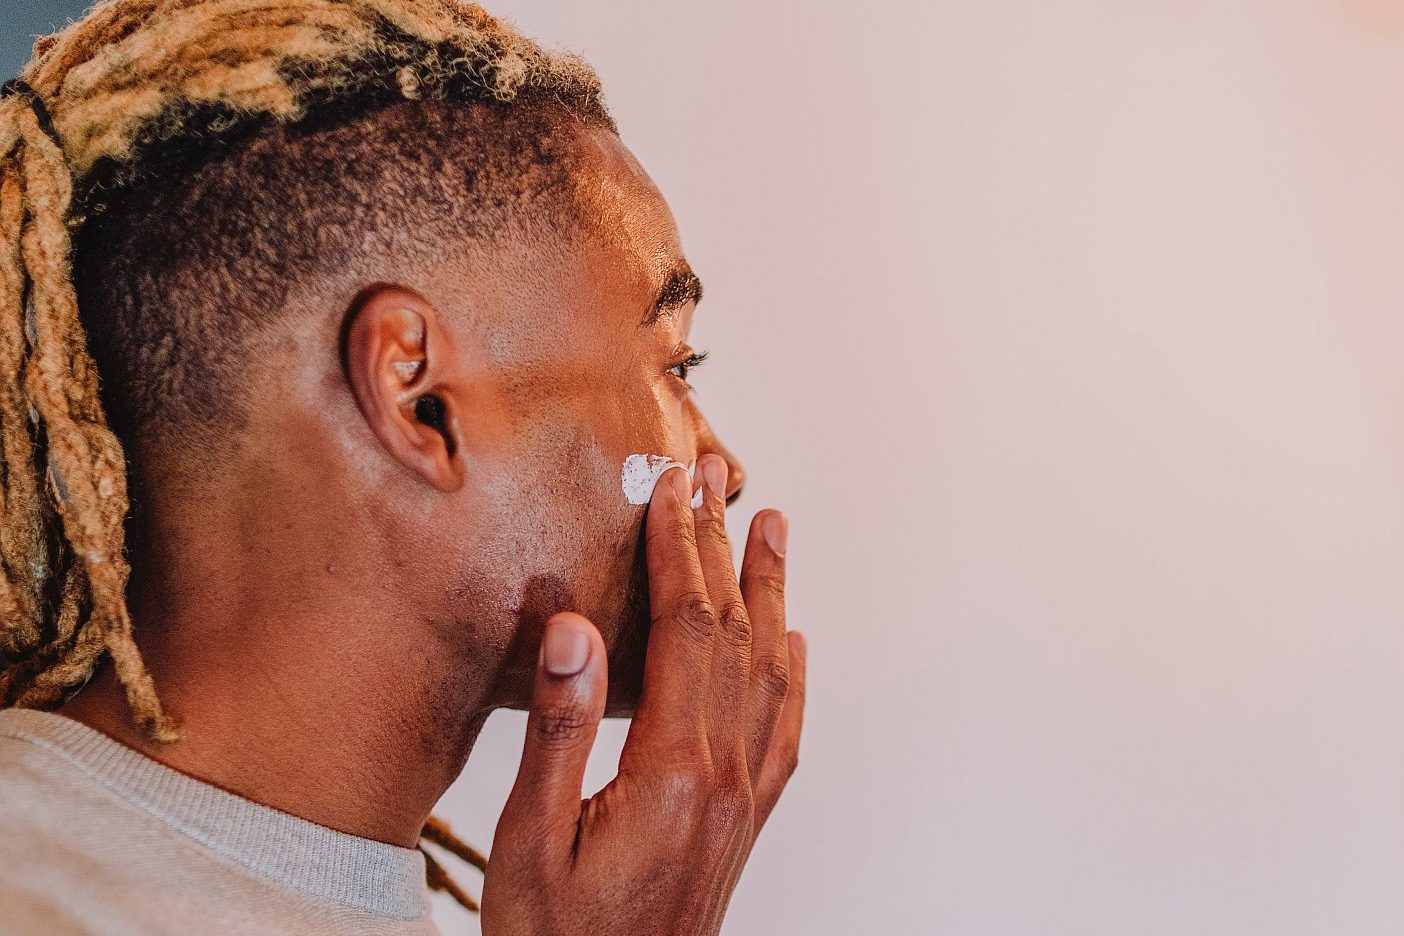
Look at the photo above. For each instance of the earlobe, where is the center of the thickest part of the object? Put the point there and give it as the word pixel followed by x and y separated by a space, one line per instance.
pixel 399 364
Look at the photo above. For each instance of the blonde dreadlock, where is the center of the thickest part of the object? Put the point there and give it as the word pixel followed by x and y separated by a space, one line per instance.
pixel 132 75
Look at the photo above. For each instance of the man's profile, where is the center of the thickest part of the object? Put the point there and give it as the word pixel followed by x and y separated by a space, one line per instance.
pixel 343 373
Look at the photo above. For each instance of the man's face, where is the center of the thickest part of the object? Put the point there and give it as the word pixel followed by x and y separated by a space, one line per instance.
pixel 574 352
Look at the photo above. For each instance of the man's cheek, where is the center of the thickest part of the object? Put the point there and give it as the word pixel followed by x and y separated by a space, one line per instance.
pixel 612 533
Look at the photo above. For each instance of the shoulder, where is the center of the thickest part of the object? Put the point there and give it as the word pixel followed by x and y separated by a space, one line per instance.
pixel 74 858
pixel 27 914
pixel 43 862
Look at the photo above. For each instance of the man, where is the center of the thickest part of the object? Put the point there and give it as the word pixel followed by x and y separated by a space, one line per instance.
pixel 389 345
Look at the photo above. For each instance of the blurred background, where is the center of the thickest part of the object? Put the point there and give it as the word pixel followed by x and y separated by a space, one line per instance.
pixel 1069 335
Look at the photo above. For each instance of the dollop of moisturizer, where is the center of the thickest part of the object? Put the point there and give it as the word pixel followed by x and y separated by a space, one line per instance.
pixel 640 475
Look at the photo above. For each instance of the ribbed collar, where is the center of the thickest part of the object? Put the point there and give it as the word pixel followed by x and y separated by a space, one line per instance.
pixel 309 858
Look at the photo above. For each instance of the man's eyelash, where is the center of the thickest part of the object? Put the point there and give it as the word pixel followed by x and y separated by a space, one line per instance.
pixel 681 369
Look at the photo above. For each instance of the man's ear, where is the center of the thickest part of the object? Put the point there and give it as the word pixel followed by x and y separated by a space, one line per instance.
pixel 401 367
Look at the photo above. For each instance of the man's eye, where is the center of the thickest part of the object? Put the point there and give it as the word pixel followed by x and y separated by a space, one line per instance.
pixel 681 369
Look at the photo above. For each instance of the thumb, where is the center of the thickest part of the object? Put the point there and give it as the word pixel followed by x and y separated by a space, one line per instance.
pixel 568 701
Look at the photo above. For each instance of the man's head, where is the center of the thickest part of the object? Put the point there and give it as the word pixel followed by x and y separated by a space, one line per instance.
pixel 381 309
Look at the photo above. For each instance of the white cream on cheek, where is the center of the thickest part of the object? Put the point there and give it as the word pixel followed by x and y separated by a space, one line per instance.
pixel 640 475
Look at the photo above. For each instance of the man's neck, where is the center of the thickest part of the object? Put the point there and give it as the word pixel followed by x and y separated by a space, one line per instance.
pixel 332 732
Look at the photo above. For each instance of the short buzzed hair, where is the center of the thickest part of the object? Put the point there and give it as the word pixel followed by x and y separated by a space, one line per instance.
pixel 194 255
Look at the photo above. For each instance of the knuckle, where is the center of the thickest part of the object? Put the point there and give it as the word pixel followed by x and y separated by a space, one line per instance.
pixel 735 622
pixel 671 528
pixel 730 804
pixel 687 788
pixel 714 529
pixel 694 615
pixel 774 679
pixel 561 722
pixel 770 581
pixel 718 512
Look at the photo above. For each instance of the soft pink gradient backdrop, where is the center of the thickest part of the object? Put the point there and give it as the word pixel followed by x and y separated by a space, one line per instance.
pixel 1070 336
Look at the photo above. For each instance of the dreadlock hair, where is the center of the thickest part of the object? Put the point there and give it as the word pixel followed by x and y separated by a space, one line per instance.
pixel 128 123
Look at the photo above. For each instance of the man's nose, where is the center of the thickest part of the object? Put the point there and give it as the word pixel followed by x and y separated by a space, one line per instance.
pixel 708 443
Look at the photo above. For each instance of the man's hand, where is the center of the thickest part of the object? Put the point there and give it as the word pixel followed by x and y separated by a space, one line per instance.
pixel 714 739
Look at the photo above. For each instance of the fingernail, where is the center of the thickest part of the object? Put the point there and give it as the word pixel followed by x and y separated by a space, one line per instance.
pixel 801 645
pixel 776 531
pixel 682 483
pixel 566 647
pixel 714 473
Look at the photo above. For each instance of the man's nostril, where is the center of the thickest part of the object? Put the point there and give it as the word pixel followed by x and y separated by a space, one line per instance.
pixel 735 482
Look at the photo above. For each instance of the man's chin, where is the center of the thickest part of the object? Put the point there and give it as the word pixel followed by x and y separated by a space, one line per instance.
pixel 620 710
pixel 626 668
pixel 620 704
pixel 625 629
pixel 626 648
pixel 627 645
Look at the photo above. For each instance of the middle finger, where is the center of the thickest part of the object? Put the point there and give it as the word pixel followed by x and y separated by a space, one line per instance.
pixel 731 660
pixel 682 634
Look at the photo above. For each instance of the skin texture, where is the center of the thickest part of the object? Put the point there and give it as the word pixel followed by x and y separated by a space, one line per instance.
pixel 332 612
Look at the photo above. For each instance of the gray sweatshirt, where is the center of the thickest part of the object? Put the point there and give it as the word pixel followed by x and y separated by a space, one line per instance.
pixel 96 838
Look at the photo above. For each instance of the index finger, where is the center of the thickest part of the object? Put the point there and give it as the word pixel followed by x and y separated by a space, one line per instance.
pixel 680 642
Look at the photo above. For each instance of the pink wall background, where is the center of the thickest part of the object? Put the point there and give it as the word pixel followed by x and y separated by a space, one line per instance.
pixel 1071 337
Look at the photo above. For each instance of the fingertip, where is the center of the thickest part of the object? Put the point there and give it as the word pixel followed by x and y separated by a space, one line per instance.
pixel 776 529
pixel 680 482
pixel 799 643
pixel 714 471
pixel 568 644
pixel 771 528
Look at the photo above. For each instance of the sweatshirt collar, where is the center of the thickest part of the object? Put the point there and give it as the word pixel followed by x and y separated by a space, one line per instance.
pixel 309 858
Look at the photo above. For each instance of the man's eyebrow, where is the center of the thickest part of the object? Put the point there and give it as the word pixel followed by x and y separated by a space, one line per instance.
pixel 681 287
